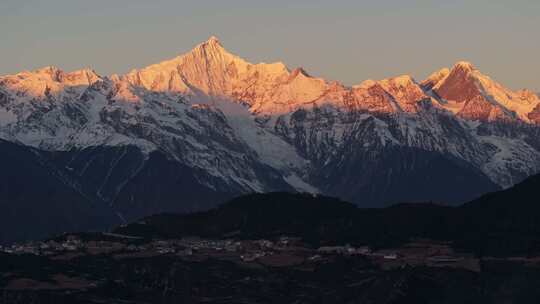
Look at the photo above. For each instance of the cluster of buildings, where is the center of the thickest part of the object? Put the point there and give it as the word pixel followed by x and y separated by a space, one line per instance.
pixel 345 250
pixel 185 246
pixel 284 248
pixel 50 247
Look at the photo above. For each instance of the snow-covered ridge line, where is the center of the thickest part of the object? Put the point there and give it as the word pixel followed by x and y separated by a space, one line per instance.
pixel 209 69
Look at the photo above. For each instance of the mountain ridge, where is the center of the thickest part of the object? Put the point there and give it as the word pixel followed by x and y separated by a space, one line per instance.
pixel 209 74
pixel 233 127
pixel 209 71
pixel 213 52
pixel 279 90
pixel 487 226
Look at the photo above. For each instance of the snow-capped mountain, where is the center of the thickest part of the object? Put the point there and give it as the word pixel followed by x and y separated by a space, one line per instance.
pixel 471 95
pixel 227 126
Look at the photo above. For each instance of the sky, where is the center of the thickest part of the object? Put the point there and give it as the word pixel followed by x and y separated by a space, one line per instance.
pixel 345 40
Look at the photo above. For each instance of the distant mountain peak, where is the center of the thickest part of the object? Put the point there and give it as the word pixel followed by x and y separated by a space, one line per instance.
pixel 470 94
pixel 299 71
pixel 366 84
pixel 53 72
pixel 464 65
pixel 401 80
pixel 48 70
pixel 213 40
pixel 405 91
pixel 435 78
pixel 213 43
pixel 460 85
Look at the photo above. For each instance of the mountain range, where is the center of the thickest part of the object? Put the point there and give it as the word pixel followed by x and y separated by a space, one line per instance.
pixel 84 151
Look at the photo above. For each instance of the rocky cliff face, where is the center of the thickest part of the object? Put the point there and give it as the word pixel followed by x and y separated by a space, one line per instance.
pixel 233 127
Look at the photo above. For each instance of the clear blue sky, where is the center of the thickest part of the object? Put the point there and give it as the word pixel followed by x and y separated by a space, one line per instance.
pixel 345 40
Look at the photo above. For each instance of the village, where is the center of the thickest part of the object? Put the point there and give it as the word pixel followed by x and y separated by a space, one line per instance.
pixel 281 252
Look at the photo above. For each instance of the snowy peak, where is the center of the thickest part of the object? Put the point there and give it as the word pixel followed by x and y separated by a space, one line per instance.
pixel 51 72
pixel 391 95
pixel 210 49
pixel 435 78
pixel 372 97
pixel 290 92
pixel 80 77
pixel 47 82
pixel 213 40
pixel 470 94
pixel 464 66
pixel 366 84
pixel 459 85
pixel 209 69
pixel 299 72
pixel 399 82
pixel 203 68
pixel 405 91
pixel 84 77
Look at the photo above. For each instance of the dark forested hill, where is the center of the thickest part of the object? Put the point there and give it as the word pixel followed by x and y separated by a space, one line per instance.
pixel 501 223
